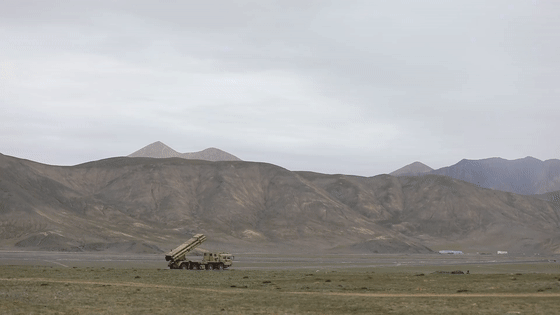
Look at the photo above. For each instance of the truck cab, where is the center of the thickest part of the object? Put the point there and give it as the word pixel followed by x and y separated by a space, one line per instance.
pixel 217 260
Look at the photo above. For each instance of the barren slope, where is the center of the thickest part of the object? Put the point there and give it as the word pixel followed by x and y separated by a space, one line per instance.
pixel 444 212
pixel 157 202
pixel 147 204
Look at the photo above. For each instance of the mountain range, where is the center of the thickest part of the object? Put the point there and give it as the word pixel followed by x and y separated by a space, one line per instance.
pixel 141 204
pixel 526 176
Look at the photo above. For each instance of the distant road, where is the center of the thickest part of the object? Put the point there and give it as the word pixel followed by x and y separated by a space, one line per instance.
pixel 484 263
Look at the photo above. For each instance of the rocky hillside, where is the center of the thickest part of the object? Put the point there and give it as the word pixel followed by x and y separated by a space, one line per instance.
pixel 148 204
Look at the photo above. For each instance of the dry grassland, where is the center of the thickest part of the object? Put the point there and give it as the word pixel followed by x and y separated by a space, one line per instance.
pixel 395 290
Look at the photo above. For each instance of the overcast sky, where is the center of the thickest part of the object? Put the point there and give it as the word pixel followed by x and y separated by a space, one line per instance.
pixel 352 87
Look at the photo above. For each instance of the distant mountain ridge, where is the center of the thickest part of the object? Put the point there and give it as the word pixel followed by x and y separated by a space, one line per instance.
pixel 526 176
pixel 160 150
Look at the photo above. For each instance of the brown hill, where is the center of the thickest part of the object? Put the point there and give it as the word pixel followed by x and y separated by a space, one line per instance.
pixel 442 212
pixel 415 168
pixel 160 202
pixel 160 150
pixel 147 204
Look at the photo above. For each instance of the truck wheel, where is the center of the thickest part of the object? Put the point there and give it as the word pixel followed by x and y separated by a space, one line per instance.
pixel 221 266
pixel 194 267
pixel 184 266
pixel 210 267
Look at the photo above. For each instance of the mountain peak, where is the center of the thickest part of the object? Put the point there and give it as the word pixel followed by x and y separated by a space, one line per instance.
pixel 412 169
pixel 159 149
pixel 530 158
pixel 156 150
pixel 211 154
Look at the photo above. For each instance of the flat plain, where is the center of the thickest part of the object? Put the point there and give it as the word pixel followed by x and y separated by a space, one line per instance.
pixel 85 283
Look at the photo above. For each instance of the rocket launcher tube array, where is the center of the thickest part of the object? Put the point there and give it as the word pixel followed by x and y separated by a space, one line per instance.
pixel 185 248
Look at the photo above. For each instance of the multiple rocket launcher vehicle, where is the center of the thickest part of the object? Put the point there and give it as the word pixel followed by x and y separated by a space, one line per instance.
pixel 210 261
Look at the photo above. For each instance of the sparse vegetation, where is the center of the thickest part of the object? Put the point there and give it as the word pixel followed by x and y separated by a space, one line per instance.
pixel 397 290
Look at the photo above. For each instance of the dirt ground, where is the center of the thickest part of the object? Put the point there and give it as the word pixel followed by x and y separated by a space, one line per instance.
pixel 52 286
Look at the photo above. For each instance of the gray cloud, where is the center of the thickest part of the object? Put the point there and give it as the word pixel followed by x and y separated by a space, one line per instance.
pixel 357 87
